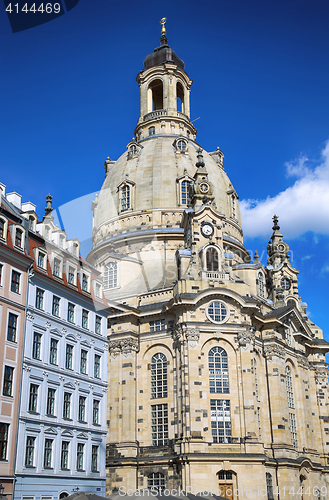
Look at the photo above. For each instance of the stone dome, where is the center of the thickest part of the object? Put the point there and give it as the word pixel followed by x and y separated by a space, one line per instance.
pixel 154 174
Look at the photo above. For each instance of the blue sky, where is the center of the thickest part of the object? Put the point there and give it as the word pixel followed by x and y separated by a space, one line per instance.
pixel 260 69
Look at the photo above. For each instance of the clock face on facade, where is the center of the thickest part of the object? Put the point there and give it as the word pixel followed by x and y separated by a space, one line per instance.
pixel 207 229
pixel 204 187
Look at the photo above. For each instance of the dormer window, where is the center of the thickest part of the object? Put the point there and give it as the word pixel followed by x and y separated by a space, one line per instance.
pixel 185 196
pixel 285 284
pixel 181 145
pixel 31 223
pixel 18 238
pixel 125 200
pixel 152 131
pixel 98 290
pixel 57 268
pixel 71 276
pixel 2 228
pixel 85 282
pixel 41 260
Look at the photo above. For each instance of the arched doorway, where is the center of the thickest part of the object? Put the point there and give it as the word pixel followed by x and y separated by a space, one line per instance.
pixel 226 484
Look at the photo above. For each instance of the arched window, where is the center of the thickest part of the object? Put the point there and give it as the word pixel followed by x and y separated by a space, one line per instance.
pixel 218 371
pixel 291 406
pixel 125 199
pixel 180 97
pixel 111 275
pixel 31 223
pixel 261 285
pixel 156 481
pixel 269 486
pixel 159 387
pixel 133 149
pixel 152 131
pixel 290 394
pixel 212 259
pixel 156 89
pixel 233 205
pixel 185 192
pixel 18 238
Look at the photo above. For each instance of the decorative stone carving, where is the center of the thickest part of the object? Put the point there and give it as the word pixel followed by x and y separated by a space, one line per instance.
pixel 45 374
pixel 274 350
pixel 64 330
pixel 126 346
pixel 245 338
pixel 303 362
pixel 26 368
pixel 61 378
pixel 48 324
pixel 29 316
pixel 192 337
pixel 321 374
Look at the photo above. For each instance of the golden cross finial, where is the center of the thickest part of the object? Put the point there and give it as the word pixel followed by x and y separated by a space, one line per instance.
pixel 163 29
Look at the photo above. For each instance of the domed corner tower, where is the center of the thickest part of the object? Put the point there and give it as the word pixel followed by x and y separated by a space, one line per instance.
pixel 217 380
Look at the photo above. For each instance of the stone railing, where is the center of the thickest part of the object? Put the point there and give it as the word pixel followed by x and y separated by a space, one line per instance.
pixel 215 275
pixel 155 114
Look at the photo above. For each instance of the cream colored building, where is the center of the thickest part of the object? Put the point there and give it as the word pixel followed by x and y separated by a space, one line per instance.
pixel 217 378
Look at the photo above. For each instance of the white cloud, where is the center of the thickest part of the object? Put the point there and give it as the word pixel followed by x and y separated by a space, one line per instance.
pixel 302 207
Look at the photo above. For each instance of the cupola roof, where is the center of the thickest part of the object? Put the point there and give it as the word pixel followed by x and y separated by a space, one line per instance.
pixel 163 54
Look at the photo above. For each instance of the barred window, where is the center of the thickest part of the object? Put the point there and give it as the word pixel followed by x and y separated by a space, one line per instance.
pixel 159 424
pixel 125 197
pixel 111 275
pixel 293 429
pixel 157 325
pixel 159 376
pixel 218 371
pixel 290 394
pixel 156 481
pixel 3 440
pixel 185 196
pixel 220 412
pixel 12 327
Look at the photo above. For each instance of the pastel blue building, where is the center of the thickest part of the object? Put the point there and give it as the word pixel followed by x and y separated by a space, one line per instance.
pixel 62 422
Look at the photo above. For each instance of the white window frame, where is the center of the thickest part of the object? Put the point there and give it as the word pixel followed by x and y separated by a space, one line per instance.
pixel 69 266
pixel 58 259
pixel 19 228
pixel 115 279
pixel 85 273
pixel 5 228
pixel 120 189
pixel 44 255
pixel 12 311
pixel 20 280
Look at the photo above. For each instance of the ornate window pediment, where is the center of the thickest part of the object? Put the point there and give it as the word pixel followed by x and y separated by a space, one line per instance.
pixel 134 149
pixel 126 190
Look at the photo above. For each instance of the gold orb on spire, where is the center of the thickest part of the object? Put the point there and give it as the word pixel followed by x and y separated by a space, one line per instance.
pixel 163 29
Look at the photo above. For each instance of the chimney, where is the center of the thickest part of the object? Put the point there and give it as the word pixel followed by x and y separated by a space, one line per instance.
pixel 15 199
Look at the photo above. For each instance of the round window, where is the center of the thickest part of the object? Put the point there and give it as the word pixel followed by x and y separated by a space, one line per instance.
pixel 217 312
pixel 285 283
pixel 181 145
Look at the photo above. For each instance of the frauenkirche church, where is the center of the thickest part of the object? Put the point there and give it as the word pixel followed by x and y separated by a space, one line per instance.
pixel 217 378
